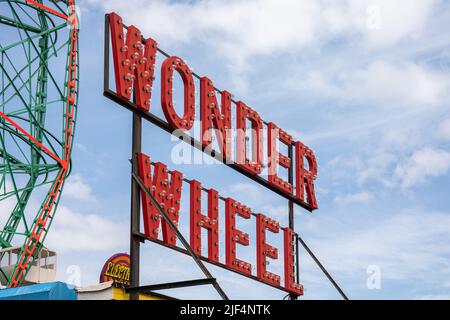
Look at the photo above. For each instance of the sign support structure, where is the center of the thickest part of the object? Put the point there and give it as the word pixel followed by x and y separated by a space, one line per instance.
pixel 291 219
pixel 139 189
pixel 135 207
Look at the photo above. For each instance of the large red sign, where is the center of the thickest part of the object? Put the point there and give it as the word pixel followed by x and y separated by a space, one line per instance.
pixel 248 144
pixel 134 65
pixel 166 187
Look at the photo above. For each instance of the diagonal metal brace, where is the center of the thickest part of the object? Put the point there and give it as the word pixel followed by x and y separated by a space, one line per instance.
pixel 180 237
pixel 325 272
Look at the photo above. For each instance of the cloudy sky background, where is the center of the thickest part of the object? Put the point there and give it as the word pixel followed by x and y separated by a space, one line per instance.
pixel 364 83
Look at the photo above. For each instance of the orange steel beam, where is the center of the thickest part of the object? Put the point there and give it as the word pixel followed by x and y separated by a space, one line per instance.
pixel 33 139
pixel 41 6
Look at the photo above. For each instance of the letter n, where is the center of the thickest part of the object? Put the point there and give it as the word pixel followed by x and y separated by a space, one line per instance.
pixel 214 118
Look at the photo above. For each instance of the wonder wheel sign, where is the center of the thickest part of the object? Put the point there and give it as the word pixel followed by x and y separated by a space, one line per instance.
pixel 136 64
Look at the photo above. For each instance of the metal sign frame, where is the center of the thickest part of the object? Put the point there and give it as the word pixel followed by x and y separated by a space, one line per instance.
pixel 137 185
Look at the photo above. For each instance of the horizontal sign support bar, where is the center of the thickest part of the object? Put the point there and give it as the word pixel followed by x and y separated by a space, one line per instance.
pixel 217 264
pixel 197 144
pixel 172 285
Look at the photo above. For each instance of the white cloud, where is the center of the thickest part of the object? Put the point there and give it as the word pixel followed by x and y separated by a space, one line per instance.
pixel 389 166
pixel 73 231
pixel 360 197
pixel 247 192
pixel 242 29
pixel 382 84
pixel 387 22
pixel 376 167
pixel 407 246
pixel 444 129
pixel 403 84
pixel 424 163
pixel 361 169
pixel 76 188
pixel 276 212
pixel 259 201
pixel 81 147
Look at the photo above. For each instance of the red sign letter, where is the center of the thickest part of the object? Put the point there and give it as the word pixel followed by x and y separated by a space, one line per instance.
pixel 131 65
pixel 274 133
pixel 168 197
pixel 305 178
pixel 211 115
pixel 234 236
pixel 243 113
pixel 210 222
pixel 289 270
pixel 265 250
pixel 167 68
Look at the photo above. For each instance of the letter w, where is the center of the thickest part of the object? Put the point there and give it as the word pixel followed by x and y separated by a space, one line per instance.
pixel 167 194
pixel 133 67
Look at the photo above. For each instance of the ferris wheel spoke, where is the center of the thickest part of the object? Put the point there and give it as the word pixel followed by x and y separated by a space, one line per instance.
pixel 13 138
pixel 35 148
pixel 19 76
pixel 38 52
pixel 33 139
pixel 13 23
pixel 9 165
pixel 33 74
pixel 28 15
pixel 34 121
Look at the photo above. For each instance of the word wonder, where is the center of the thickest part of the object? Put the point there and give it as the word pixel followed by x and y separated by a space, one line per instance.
pixel 134 66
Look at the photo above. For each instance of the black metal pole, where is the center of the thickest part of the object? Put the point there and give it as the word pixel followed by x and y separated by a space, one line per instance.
pixel 106 55
pixel 291 206
pixel 135 208
pixel 297 260
pixel 135 196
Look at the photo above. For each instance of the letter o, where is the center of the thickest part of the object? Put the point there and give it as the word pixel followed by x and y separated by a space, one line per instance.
pixel 168 67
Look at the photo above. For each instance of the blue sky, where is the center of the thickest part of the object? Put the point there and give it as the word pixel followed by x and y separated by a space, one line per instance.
pixel 364 83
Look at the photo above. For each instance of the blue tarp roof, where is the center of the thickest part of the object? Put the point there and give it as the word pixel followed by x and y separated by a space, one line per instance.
pixel 43 291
